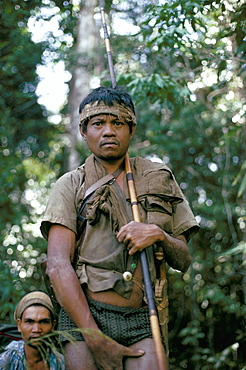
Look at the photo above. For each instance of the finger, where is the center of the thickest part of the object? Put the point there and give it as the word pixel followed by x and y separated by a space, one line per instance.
pixel 121 235
pixel 125 242
pixel 134 352
pixel 122 229
pixel 133 251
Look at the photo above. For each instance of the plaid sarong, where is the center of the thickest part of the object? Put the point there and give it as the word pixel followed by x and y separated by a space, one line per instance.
pixel 125 325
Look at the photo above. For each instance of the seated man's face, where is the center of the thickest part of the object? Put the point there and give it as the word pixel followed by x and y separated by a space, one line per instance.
pixel 36 321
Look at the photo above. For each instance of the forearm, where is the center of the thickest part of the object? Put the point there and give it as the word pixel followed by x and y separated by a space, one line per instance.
pixel 61 246
pixel 176 251
pixel 70 294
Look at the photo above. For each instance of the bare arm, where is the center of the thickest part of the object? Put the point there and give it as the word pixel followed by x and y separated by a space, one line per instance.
pixel 61 247
pixel 138 236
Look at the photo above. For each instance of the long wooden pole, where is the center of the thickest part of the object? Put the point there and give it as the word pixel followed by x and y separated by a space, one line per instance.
pixel 155 328
pixel 107 45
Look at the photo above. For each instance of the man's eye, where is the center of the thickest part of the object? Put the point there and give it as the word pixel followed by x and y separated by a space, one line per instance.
pixel 118 123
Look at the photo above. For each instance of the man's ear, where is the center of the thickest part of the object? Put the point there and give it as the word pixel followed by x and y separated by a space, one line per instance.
pixel 54 325
pixel 82 132
pixel 133 130
pixel 18 322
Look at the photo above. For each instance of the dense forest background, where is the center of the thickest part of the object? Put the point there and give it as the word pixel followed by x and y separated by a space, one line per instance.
pixel 184 62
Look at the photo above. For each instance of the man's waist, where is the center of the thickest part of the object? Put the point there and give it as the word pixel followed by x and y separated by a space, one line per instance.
pixel 113 298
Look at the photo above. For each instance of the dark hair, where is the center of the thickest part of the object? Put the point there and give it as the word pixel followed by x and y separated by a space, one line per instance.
pixel 108 96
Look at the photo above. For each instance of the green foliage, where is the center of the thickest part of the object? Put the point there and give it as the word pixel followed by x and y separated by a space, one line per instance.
pixel 25 155
pixel 187 76
pixel 185 67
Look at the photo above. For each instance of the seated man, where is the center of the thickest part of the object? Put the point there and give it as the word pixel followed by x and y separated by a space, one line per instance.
pixel 34 316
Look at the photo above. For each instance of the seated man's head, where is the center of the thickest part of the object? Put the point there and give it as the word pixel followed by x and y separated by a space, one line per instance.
pixel 34 316
pixel 107 122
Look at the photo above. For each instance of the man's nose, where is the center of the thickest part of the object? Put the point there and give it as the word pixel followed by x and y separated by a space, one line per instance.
pixel 108 129
pixel 36 328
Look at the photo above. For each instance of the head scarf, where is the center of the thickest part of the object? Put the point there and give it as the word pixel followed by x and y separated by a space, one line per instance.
pixel 32 298
pixel 118 110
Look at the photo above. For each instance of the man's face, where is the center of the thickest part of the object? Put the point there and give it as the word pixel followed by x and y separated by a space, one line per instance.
pixel 108 137
pixel 36 321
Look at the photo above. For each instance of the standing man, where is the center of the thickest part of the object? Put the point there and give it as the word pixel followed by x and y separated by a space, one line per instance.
pixel 34 316
pixel 88 273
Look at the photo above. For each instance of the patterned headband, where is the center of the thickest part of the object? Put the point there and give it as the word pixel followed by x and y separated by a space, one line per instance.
pixel 117 110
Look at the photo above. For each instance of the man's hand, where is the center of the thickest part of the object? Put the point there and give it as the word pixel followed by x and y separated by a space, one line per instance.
pixel 137 236
pixel 107 353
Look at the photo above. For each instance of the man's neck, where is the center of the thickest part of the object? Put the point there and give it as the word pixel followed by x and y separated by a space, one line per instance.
pixel 111 165
pixel 35 360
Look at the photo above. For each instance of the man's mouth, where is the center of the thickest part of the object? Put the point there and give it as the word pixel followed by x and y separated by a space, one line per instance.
pixel 35 337
pixel 109 143
pixel 36 342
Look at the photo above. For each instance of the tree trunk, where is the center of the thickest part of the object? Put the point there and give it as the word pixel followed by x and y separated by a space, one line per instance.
pixel 86 43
